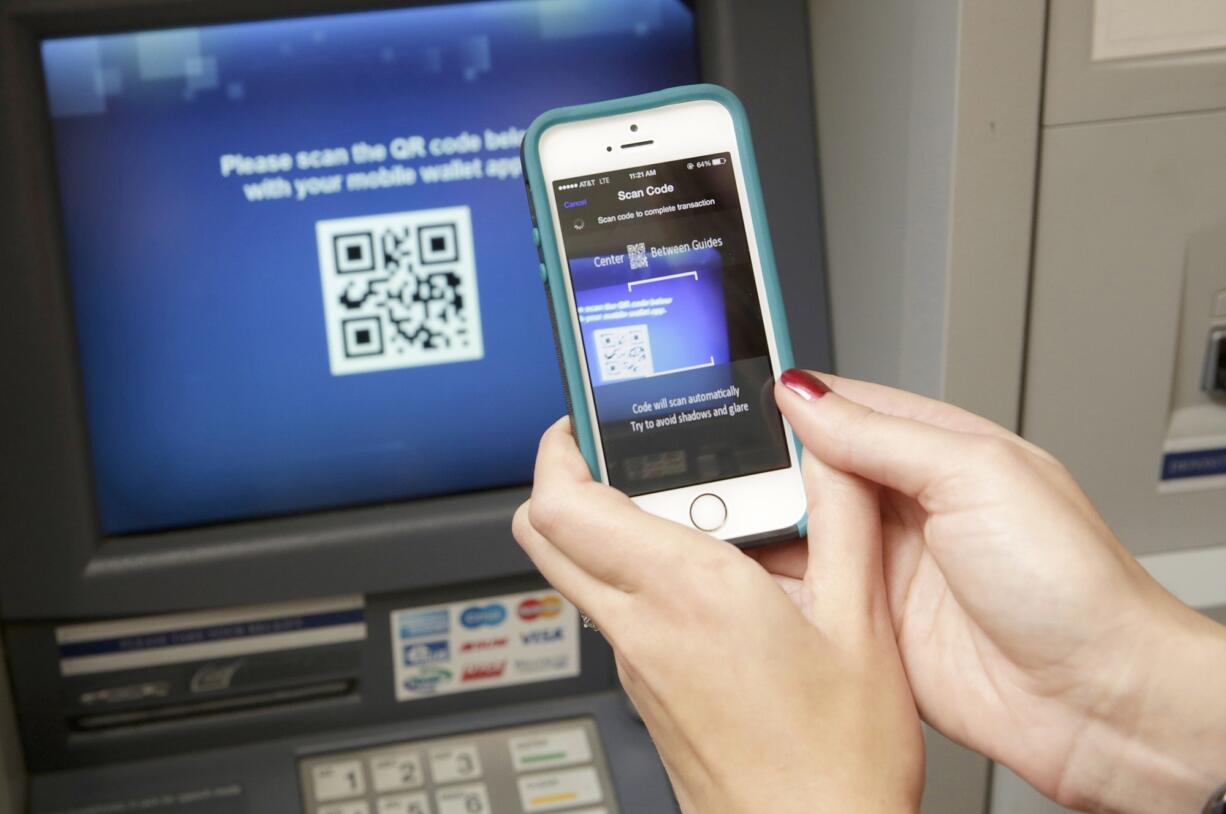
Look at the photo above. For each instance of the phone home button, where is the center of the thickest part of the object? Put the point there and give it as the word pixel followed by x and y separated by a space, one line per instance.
pixel 708 512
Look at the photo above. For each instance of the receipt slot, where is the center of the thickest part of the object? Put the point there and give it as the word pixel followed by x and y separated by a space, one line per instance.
pixel 1195 447
pixel 1215 365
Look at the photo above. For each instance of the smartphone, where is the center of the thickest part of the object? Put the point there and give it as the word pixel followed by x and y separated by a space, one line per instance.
pixel 666 310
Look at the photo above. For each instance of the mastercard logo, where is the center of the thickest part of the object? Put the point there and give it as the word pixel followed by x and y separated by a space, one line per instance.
pixel 546 607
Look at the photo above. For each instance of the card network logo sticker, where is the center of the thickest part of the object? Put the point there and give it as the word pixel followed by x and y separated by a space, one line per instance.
pixel 423 623
pixel 426 652
pixel 428 679
pixel 483 644
pixel 546 607
pixel 542 636
pixel 479 615
pixel 484 672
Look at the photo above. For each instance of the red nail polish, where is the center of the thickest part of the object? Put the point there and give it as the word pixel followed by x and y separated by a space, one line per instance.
pixel 803 384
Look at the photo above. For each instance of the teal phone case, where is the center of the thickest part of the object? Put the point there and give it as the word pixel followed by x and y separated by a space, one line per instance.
pixel 570 355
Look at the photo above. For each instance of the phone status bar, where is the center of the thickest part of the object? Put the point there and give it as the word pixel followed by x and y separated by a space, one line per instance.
pixel 646 171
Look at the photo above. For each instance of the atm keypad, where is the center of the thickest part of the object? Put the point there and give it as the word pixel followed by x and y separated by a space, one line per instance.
pixel 535 769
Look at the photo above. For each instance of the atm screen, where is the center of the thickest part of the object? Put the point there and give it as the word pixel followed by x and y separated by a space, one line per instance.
pixel 299 251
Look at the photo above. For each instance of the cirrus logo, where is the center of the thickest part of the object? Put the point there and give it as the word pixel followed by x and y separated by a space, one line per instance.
pixel 479 615
pixel 427 679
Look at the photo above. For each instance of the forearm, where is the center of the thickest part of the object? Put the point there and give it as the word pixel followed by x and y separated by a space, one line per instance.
pixel 1166 749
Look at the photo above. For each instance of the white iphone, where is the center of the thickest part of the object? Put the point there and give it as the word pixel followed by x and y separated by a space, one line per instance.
pixel 663 306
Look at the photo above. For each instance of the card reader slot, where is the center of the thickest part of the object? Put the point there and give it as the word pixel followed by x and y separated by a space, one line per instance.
pixel 126 719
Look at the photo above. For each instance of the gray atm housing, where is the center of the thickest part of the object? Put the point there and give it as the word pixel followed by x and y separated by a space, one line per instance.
pixel 57 567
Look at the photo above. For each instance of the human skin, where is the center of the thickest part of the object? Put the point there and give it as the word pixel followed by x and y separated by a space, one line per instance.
pixel 1028 632
pixel 755 702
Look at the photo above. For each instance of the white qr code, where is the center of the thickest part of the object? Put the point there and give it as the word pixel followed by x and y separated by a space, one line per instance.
pixel 638 255
pixel 399 290
pixel 624 352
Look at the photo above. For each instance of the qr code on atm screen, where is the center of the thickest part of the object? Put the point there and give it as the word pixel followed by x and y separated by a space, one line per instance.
pixel 399 290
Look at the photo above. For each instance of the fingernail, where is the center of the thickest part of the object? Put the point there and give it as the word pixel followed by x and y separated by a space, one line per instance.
pixel 803 384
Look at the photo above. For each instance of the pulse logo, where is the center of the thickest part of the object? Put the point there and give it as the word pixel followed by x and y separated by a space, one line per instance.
pixel 479 615
pixel 542 636
pixel 546 607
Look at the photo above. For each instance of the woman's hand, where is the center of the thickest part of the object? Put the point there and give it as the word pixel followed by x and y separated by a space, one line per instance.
pixel 755 703
pixel 1028 632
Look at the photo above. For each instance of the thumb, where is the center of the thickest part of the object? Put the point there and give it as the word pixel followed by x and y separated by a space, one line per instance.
pixel 844 583
pixel 908 456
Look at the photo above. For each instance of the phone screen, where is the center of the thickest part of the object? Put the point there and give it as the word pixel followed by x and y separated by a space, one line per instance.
pixel 671 324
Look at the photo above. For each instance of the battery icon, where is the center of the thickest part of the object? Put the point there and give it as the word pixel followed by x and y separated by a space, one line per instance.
pixel 715 162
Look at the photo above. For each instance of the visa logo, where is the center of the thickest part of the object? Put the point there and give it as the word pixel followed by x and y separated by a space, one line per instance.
pixel 542 636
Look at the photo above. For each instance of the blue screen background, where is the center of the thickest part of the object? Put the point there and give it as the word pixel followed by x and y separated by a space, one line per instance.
pixel 199 317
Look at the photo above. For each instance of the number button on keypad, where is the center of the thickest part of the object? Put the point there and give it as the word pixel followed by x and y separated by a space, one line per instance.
pixel 451 764
pixel 471 799
pixel 395 771
pixel 336 781
pixel 415 803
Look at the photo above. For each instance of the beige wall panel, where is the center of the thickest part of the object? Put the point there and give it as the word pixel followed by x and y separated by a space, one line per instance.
pixel 885 82
pixel 1117 204
pixel 1080 89
pixel 928 126
pixel 1000 69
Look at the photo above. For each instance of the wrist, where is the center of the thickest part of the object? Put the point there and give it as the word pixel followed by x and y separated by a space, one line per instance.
pixel 1158 742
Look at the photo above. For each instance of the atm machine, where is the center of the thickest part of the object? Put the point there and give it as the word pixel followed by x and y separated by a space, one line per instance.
pixel 254 547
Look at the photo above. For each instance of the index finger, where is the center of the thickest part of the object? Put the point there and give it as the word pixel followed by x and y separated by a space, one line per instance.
pixel 903 404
